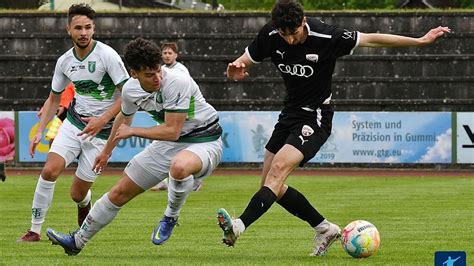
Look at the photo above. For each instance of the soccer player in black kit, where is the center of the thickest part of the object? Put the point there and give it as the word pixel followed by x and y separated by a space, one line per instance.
pixel 305 51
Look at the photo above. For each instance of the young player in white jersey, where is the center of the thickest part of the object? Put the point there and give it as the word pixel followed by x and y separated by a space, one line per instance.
pixel 187 144
pixel 305 51
pixel 96 71
pixel 169 54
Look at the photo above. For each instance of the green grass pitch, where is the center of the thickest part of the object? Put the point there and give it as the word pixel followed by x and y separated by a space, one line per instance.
pixel 416 216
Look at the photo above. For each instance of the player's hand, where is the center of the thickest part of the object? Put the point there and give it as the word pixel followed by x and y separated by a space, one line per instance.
pixel 123 132
pixel 434 34
pixel 40 112
pixel 237 71
pixel 93 127
pixel 100 163
pixel 61 109
pixel 34 142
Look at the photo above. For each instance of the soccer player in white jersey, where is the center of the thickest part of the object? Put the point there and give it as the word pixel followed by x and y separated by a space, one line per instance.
pixel 97 72
pixel 169 54
pixel 187 144
pixel 305 51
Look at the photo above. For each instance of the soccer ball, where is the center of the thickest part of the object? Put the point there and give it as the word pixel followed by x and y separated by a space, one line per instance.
pixel 360 239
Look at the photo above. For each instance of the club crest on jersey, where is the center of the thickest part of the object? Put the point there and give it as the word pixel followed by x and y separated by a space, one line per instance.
pixel 159 98
pixel 312 57
pixel 91 66
pixel 307 131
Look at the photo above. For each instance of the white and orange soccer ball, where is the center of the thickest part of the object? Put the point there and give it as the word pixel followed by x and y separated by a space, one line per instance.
pixel 360 239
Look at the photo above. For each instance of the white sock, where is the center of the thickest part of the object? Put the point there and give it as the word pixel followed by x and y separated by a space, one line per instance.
pixel 41 202
pixel 101 214
pixel 240 225
pixel 178 192
pixel 83 203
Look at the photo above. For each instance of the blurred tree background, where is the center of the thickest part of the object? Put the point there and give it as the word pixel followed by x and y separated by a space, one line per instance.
pixel 322 4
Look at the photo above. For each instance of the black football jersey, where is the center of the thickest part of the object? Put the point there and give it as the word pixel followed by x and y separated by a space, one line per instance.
pixel 306 68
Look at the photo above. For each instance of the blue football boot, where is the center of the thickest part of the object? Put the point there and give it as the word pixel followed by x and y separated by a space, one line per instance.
pixel 162 231
pixel 66 241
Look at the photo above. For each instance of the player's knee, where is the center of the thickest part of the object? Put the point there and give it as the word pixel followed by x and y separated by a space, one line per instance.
pixel 276 176
pixel 178 169
pixel 50 173
pixel 276 170
pixel 76 196
pixel 118 196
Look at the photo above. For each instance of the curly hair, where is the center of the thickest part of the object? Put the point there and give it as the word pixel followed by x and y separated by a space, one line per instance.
pixel 140 54
pixel 80 10
pixel 287 15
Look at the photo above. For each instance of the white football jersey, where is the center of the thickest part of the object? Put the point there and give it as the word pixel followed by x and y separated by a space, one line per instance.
pixel 178 66
pixel 95 78
pixel 178 93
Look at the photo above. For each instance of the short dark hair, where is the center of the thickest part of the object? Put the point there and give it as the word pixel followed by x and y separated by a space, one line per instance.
pixel 172 45
pixel 287 15
pixel 140 54
pixel 80 10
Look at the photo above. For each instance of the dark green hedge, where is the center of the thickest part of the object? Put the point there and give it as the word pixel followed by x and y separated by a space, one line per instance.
pixel 322 4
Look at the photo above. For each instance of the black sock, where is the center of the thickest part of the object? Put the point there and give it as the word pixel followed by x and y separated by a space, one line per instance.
pixel 296 203
pixel 258 205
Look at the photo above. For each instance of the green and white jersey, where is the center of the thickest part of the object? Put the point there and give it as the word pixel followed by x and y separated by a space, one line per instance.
pixel 95 79
pixel 178 93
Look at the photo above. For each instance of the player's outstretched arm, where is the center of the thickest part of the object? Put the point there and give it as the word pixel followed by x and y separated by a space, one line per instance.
pixel 101 160
pixel 48 110
pixel 237 70
pixel 391 40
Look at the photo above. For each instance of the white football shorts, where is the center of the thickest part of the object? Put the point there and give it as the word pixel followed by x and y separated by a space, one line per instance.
pixel 69 146
pixel 152 165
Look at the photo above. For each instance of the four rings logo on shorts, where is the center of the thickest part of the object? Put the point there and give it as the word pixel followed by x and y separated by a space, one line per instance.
pixel 296 70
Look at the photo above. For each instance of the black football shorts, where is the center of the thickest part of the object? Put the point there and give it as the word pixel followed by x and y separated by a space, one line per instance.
pixel 304 130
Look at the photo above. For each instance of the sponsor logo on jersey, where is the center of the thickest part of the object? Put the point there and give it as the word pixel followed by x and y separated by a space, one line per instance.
pixel 296 70
pixel 75 68
pixel 91 66
pixel 312 57
pixel 280 53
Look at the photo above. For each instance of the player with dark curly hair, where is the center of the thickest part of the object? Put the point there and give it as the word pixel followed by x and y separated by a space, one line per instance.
pixel 304 50
pixel 187 144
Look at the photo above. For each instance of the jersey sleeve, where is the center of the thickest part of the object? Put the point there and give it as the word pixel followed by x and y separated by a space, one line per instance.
pixel 344 41
pixel 60 80
pixel 115 68
pixel 177 96
pixel 259 49
pixel 128 106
